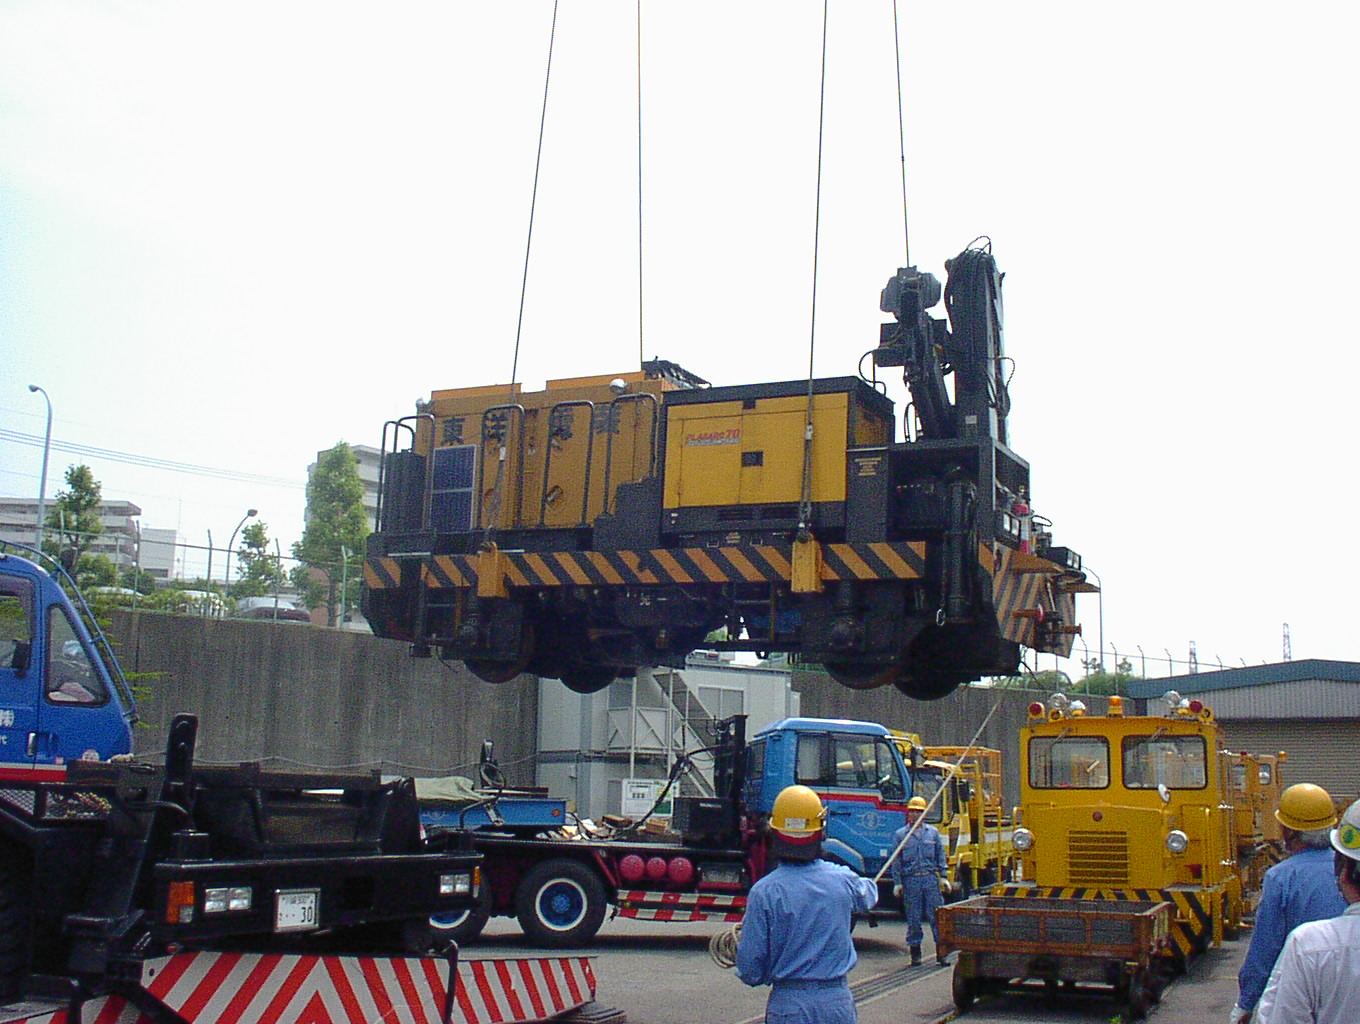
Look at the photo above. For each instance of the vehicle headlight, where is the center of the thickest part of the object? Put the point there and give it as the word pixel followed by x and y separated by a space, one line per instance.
pixel 1177 841
pixel 455 885
pixel 1022 839
pixel 223 901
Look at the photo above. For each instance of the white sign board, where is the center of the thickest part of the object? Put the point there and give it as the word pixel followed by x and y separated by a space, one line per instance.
pixel 640 794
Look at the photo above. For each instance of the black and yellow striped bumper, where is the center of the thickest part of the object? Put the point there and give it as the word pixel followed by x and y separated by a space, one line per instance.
pixel 764 563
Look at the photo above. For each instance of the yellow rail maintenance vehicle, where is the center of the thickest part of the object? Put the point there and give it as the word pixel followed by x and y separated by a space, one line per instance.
pixel 1256 793
pixel 1135 807
pixel 968 813
pixel 1124 819
pixel 607 523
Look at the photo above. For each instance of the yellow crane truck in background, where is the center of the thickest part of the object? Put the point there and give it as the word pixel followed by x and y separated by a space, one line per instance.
pixel 968 813
pixel 1141 841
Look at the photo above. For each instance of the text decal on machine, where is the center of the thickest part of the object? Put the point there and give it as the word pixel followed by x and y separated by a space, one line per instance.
pixel 732 436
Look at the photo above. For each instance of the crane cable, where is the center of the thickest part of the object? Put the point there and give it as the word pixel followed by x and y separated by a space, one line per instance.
pixel 901 142
pixel 641 356
pixel 805 504
pixel 499 489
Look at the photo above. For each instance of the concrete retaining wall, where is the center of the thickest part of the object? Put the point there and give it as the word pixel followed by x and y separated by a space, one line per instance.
pixel 301 696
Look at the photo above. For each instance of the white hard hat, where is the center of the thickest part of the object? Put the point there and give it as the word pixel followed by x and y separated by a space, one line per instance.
pixel 1346 835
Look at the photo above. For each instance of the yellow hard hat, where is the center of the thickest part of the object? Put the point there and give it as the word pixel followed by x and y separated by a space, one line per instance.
pixel 798 814
pixel 1346 835
pixel 1305 807
pixel 916 803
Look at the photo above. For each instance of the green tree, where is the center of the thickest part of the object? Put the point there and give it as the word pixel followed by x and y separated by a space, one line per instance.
pixel 1051 681
pixel 73 521
pixel 139 580
pixel 96 571
pixel 333 539
pixel 257 571
pixel 1097 680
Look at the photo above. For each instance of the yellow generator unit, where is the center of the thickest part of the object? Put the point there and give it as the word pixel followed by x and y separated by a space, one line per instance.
pixel 605 523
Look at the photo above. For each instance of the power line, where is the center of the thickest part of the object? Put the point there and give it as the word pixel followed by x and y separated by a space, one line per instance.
pixel 128 458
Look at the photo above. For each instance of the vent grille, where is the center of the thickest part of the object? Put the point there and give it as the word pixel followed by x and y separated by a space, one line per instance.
pixel 1097 858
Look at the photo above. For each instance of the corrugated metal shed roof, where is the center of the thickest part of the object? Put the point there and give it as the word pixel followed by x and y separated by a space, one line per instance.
pixel 1308 670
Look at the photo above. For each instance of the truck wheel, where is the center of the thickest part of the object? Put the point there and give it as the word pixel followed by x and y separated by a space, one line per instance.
pixel 560 903
pixel 965 989
pixel 465 926
pixel 14 923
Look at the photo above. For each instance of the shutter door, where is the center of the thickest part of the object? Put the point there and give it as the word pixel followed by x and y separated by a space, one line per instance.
pixel 1321 752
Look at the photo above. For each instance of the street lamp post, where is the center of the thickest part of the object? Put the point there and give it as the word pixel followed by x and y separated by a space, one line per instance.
pixel 1100 605
pixel 42 481
pixel 231 544
pixel 344 585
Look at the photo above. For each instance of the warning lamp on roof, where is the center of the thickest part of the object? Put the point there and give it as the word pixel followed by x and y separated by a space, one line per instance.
pixel 1116 707
pixel 1036 710
pixel 1196 706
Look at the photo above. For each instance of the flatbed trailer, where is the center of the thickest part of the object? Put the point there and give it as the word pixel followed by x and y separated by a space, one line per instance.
pixel 1007 941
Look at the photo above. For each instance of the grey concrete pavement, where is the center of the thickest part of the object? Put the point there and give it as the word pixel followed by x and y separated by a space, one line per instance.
pixel 657 973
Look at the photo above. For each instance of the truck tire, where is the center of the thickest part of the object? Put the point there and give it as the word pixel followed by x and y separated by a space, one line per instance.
pixel 560 903
pixel 468 925
pixel 14 922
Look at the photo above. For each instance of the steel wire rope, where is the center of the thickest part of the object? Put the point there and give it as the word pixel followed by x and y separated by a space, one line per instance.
pixel 901 141
pixel 805 502
pixel 499 489
pixel 641 356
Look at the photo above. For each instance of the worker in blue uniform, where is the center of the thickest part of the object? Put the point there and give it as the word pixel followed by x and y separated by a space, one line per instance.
pixel 1299 889
pixel 920 875
pixel 795 934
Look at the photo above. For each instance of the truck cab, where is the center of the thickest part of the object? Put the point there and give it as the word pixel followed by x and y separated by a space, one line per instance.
pixel 855 768
pixel 62 697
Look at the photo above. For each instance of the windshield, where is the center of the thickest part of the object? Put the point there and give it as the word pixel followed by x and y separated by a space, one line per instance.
pixel 1176 762
pixel 927 783
pixel 1069 762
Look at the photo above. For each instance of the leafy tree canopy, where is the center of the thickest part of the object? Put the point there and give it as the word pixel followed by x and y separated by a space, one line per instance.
pixel 73 521
pixel 258 572
pixel 333 539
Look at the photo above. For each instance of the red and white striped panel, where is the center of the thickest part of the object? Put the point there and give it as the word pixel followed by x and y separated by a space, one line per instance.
pixel 680 906
pixel 239 988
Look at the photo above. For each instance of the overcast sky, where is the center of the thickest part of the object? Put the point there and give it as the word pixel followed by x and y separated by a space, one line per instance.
pixel 234 234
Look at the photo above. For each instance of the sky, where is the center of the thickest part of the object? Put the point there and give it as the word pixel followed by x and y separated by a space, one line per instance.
pixel 232 235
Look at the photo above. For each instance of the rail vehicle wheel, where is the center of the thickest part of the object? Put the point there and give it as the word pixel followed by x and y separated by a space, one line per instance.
pixel 560 903
pixel 964 988
pixel 1137 998
pixel 588 677
pixel 468 924
pixel 502 671
pixel 1232 919
pixel 858 676
pixel 927 687
pixel 14 922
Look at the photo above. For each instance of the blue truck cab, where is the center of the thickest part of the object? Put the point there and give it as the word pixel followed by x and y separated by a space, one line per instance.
pixel 854 767
pixel 62 695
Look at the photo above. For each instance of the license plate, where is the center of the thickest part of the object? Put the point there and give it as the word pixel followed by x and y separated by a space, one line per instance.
pixel 295 910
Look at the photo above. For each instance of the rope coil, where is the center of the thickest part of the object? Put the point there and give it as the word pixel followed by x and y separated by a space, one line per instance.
pixel 723 947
